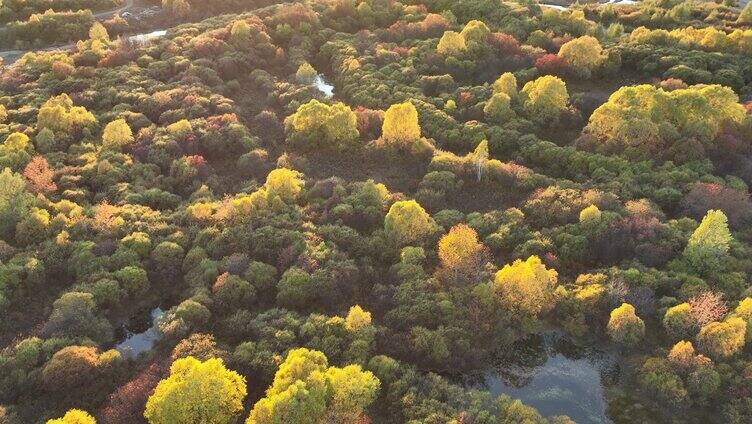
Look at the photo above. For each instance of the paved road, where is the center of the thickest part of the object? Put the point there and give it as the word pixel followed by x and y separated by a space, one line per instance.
pixel 110 13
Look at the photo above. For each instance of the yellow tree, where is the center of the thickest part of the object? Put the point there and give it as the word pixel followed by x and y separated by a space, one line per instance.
pixel 709 243
pixel 306 73
pixel 357 318
pixel 407 222
pixel 317 124
pixel 507 84
pixel 99 32
pixel 401 125
pixel 526 287
pixel 117 134
pixel 285 183
pixel 583 55
pixel 74 416
pixel 590 214
pixel 460 250
pixel 745 16
pixel 480 156
pixel 240 33
pixel 197 392
pixel 723 339
pixel 624 326
pixel 451 44
pixel 545 98
pixel 475 31
pixel 306 390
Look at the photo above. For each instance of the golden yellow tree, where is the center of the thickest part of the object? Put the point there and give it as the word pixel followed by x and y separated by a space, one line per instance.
pixel 583 55
pixel 401 124
pixel 99 32
pixel 723 339
pixel 545 98
pixel 284 183
pixel 507 84
pixel 197 392
pixel 357 318
pixel 451 44
pixel 624 326
pixel 459 250
pixel 74 416
pixel 407 222
pixel 526 287
pixel 117 134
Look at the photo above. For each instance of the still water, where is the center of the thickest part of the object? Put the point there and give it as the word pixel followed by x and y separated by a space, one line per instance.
pixel 556 377
pixel 139 338
pixel 320 83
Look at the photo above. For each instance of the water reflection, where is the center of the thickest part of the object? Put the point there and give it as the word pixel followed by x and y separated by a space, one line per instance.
pixel 137 339
pixel 556 377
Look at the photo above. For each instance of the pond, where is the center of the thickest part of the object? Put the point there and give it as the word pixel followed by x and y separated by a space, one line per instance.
pixel 143 38
pixel 556 377
pixel 139 337
pixel 320 83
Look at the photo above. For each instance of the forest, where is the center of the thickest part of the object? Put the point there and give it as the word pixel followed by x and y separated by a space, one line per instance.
pixel 374 211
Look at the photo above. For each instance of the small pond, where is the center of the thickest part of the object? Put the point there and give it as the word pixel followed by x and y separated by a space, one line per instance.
pixel 556 377
pixel 143 38
pixel 139 336
pixel 320 83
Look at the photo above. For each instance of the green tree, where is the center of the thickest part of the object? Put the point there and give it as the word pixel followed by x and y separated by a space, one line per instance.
pixel 498 109
pixel 679 321
pixel 197 392
pixel 240 33
pixel 14 202
pixel 624 326
pixel 545 98
pixel 709 243
pixel 407 222
pixel 74 315
pixel 401 125
pixel 117 134
pixel 583 55
pixel 644 121
pixel 526 287
pixel 306 73
pixel 74 416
